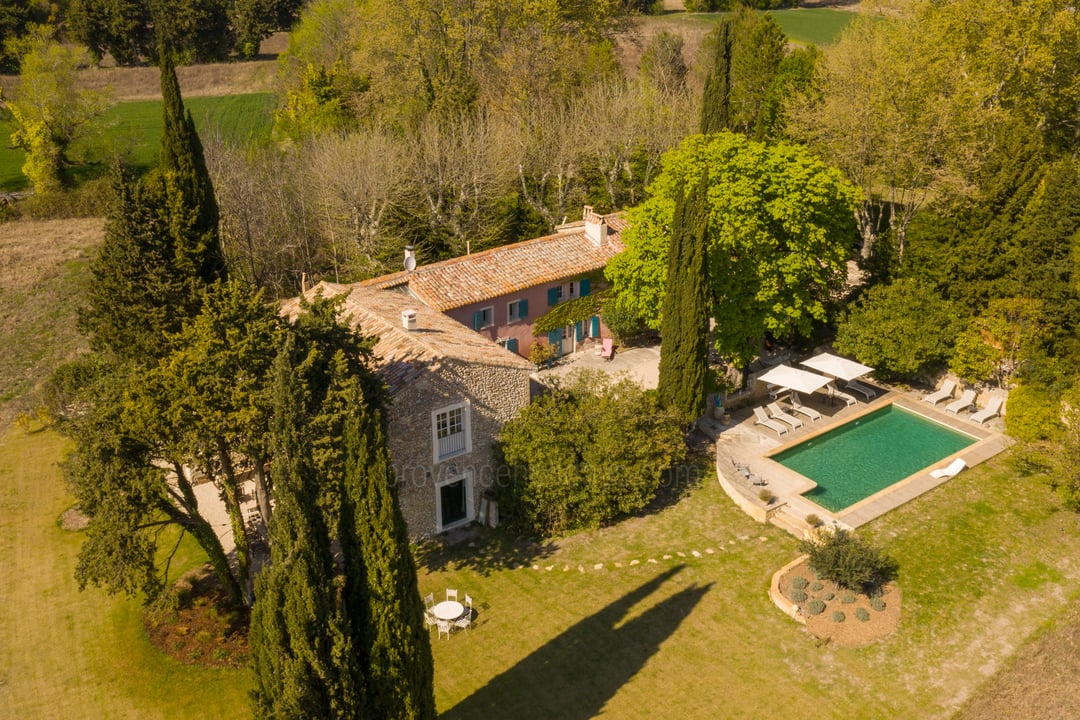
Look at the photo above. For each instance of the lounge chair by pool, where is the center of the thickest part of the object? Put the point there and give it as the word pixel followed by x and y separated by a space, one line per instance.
pixel 967 400
pixel 834 392
pixel 949 470
pixel 763 419
pixel 944 393
pixel 868 393
pixel 992 410
pixel 778 413
pixel 797 406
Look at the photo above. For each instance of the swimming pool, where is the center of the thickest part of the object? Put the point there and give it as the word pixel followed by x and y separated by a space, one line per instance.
pixel 870 453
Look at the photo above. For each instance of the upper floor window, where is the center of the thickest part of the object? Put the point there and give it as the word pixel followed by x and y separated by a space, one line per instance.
pixel 517 310
pixel 483 318
pixel 569 291
pixel 451 431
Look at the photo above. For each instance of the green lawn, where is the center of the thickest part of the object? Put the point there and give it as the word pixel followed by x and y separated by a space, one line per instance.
pixel 985 560
pixel 984 563
pixel 70 654
pixel 803 26
pixel 133 129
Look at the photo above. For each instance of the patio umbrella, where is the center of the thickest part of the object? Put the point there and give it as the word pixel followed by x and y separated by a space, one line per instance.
pixel 791 378
pixel 838 367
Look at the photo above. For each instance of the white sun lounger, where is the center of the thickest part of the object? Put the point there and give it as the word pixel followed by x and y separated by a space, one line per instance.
pixel 992 409
pixel 967 399
pixel 763 419
pixel 778 413
pixel 949 470
pixel 858 387
pixel 834 392
pixel 944 393
pixel 797 406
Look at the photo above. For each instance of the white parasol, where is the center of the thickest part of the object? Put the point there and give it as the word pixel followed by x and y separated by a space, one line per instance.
pixel 837 366
pixel 791 378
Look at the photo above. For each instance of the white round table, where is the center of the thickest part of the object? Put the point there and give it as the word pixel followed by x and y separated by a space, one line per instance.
pixel 448 610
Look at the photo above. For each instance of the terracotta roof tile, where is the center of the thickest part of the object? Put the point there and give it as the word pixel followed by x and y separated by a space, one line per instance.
pixel 401 354
pixel 507 269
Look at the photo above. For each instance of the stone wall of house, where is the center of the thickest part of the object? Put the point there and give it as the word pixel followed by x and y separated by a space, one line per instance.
pixel 496 394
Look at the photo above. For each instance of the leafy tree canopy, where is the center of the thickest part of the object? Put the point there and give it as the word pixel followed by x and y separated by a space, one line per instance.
pixel 589 452
pixel 780 223
pixel 901 328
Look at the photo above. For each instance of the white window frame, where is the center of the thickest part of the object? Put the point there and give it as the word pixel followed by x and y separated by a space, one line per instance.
pixel 513 311
pixel 466 422
pixel 470 501
pixel 572 289
pixel 490 312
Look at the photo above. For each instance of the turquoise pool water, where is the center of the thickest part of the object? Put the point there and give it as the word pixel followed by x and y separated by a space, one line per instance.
pixel 870 453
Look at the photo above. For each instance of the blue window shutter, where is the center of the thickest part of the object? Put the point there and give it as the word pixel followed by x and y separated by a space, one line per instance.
pixel 553 296
pixel 477 320
pixel 512 345
pixel 584 287
pixel 523 309
pixel 596 326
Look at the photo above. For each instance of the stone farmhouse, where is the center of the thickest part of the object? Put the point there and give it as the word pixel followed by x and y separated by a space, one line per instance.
pixel 453 337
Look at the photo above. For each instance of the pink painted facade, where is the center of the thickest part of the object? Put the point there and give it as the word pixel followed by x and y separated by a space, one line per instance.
pixel 536 301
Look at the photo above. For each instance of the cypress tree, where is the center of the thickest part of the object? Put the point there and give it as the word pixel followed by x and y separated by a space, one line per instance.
pixel 684 323
pixel 716 98
pixel 300 642
pixel 137 297
pixel 193 209
pixel 381 593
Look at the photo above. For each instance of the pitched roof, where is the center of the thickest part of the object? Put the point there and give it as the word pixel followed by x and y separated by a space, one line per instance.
pixel 509 268
pixel 402 355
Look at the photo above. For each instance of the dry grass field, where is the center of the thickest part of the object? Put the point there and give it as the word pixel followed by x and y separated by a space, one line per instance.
pixel 43 271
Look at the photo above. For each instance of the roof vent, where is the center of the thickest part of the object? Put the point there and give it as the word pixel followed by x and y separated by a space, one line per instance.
pixel 408 319
pixel 595 227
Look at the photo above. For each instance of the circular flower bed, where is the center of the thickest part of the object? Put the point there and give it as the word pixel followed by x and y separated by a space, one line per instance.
pixel 838 615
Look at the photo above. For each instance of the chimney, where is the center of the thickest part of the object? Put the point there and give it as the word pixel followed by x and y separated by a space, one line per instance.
pixel 595 227
pixel 410 258
pixel 408 319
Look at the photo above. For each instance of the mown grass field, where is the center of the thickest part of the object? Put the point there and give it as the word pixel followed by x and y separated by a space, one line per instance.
pixel 986 561
pixel 70 654
pixel 803 26
pixel 133 130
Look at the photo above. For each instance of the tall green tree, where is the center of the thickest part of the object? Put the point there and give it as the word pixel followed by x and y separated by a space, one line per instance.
pixel 780 223
pixel 131 488
pixel 192 206
pixel 300 639
pixel 591 451
pixel 685 326
pixel 49 109
pixel 381 595
pixel 716 99
pixel 210 397
pixel 760 48
pixel 903 328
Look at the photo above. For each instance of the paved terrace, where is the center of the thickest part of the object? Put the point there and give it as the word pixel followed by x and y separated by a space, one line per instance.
pixel 744 442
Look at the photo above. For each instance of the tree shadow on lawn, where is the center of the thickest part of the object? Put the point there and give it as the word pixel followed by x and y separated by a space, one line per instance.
pixel 574 675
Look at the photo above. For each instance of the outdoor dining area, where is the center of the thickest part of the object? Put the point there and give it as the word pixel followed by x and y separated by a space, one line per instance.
pixel 448 615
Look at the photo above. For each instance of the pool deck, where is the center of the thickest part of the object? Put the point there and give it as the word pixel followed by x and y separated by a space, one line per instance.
pixel 744 442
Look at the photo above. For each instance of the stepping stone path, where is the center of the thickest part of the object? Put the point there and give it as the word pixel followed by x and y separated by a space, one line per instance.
pixel 651 561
